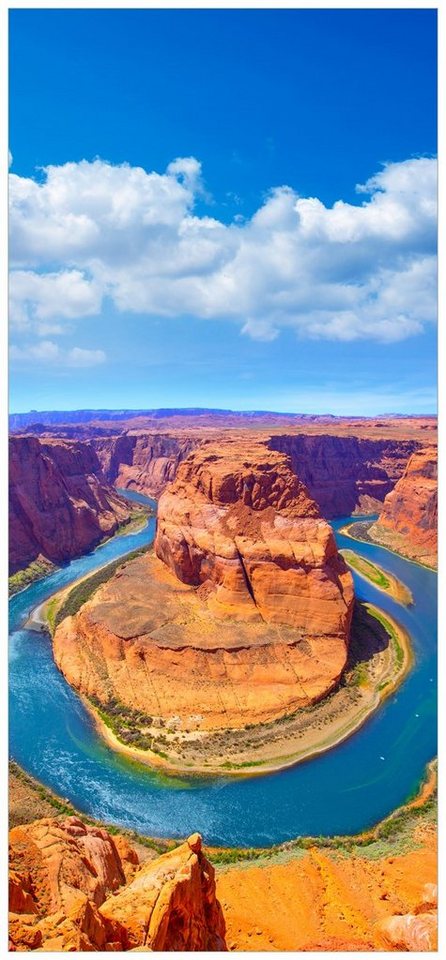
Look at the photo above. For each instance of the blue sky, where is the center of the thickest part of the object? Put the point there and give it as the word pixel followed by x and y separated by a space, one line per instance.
pixel 225 278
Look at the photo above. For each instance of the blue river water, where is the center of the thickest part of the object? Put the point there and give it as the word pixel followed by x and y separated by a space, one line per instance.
pixel 345 790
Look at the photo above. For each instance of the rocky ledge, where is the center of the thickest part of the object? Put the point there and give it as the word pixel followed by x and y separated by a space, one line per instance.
pixel 74 887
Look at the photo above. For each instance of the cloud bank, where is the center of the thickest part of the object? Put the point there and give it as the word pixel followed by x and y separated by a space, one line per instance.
pixel 92 230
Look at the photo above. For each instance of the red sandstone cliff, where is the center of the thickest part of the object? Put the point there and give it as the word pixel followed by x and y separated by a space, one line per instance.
pixel 75 888
pixel 343 474
pixel 239 524
pixel 347 465
pixel 60 504
pixel 142 461
pixel 248 616
pixel 408 521
pixel 346 474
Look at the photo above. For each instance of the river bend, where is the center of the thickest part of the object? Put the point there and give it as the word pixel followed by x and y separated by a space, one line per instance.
pixel 345 790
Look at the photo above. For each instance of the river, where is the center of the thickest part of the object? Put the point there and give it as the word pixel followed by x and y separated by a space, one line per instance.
pixel 345 790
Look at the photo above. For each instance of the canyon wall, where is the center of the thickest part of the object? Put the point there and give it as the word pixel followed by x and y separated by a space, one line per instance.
pixel 74 887
pixel 60 504
pixel 347 466
pixel 145 462
pixel 408 520
pixel 343 474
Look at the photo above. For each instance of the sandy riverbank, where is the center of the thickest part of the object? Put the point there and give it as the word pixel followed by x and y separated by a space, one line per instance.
pixel 349 531
pixel 379 577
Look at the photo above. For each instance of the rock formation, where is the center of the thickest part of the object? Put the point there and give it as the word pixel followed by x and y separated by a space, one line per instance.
pixel 408 521
pixel 238 524
pixel 73 887
pixel 346 474
pixel 343 474
pixel 247 617
pixel 417 931
pixel 142 461
pixel 60 503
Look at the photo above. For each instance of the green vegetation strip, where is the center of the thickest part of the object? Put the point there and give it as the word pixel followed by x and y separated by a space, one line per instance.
pixel 393 634
pixel 390 834
pixel 136 520
pixel 35 571
pixel 368 569
pixel 129 725
pixel 84 590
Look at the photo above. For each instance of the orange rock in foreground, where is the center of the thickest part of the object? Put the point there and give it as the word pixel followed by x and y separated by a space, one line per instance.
pixel 408 521
pixel 328 901
pixel 63 882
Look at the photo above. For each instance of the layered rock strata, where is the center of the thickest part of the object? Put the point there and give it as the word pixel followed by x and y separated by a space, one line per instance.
pixel 244 614
pixel 75 888
pixel 408 521
pixel 60 504
pixel 145 462
pixel 346 475
pixel 343 474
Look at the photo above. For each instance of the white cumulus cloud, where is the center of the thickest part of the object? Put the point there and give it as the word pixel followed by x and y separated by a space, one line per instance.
pixel 89 230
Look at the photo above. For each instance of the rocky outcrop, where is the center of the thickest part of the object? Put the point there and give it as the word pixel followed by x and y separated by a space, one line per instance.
pixel 346 474
pixel 238 524
pixel 248 613
pixel 417 931
pixel 408 521
pixel 171 904
pixel 60 504
pixel 145 462
pixel 76 888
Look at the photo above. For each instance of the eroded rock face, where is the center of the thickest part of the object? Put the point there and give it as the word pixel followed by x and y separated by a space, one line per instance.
pixel 346 475
pixel 143 461
pixel 243 616
pixel 239 525
pixel 171 904
pixel 408 521
pixel 72 887
pixel 60 503
pixel 56 860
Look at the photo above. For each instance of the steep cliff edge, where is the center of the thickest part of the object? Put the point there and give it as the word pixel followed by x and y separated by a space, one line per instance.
pixel 247 616
pixel 343 474
pixel 241 526
pixel 73 887
pixel 60 504
pixel 142 461
pixel 408 521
